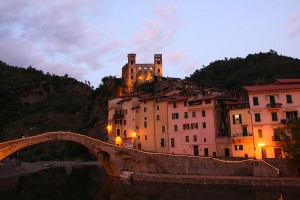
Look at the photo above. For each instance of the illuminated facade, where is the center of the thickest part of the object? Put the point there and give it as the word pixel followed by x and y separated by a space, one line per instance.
pixel 191 125
pixel 272 106
pixel 134 74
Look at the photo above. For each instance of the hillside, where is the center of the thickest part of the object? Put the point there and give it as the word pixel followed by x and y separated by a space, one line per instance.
pixel 234 73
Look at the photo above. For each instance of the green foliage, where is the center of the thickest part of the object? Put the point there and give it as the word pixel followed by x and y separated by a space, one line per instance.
pixel 290 143
pixel 234 73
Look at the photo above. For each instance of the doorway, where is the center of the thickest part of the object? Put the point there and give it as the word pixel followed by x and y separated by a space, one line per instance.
pixel 263 152
pixel 196 150
pixel 205 151
pixel 227 153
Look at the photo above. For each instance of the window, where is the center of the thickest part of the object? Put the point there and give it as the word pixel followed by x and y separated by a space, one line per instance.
pixel 158 70
pixel 203 113
pixel 292 115
pixel 126 111
pixel 257 117
pixel 195 138
pixel 204 124
pixel 245 131
pixel 131 68
pixel 260 134
pixel 175 116
pixel 237 119
pixel 194 125
pixel 186 126
pixel 174 105
pixel 274 116
pixel 124 121
pixel 238 147
pixel 204 139
pixel 118 132
pixel 145 109
pixel 145 122
pixel 146 138
pixel 162 142
pixel 193 114
pixel 172 142
pixel 157 117
pixel 207 101
pixel 255 101
pixel 289 98
pixel 125 133
pixel 157 107
pixel 137 127
pixel 187 138
pixel 185 103
pixel 163 129
pixel 276 136
pixel 175 128
pixel 186 115
pixel 131 77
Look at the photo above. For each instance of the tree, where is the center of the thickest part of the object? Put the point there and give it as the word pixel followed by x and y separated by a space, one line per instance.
pixel 290 140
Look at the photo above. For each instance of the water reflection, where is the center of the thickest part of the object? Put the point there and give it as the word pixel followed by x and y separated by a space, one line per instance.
pixel 92 183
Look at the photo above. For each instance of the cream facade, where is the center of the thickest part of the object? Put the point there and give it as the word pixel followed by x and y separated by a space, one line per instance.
pixel 271 107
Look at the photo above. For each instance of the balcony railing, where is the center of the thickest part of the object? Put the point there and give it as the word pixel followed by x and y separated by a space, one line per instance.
pixel 118 116
pixel 274 105
pixel 242 134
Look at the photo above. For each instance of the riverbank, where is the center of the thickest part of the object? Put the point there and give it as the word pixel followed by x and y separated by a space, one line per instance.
pixel 235 181
pixel 15 169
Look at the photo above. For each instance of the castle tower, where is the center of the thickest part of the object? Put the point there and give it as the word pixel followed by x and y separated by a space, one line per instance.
pixel 158 65
pixel 131 71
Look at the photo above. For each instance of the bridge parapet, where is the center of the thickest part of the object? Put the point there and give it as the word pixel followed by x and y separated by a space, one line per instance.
pixel 116 159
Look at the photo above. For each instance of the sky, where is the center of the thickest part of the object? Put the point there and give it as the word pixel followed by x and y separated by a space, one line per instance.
pixel 90 39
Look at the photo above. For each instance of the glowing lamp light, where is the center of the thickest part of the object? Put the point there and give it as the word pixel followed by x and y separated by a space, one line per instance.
pixel 261 144
pixel 118 140
pixel 108 127
pixel 134 134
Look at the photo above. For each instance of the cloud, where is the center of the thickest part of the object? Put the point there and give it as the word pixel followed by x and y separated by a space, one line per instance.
pixel 175 57
pixel 157 33
pixel 293 24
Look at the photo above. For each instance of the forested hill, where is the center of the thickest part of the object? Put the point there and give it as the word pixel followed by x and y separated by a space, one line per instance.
pixel 234 73
pixel 33 102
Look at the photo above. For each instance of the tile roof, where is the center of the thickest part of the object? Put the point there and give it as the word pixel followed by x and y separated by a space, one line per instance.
pixel 271 87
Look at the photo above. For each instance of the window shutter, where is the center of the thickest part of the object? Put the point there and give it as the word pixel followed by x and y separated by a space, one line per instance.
pixel 240 116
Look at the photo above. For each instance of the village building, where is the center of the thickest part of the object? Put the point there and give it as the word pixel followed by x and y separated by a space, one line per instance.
pixel 272 106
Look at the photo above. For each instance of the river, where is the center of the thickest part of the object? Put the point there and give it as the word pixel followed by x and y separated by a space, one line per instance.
pixel 86 183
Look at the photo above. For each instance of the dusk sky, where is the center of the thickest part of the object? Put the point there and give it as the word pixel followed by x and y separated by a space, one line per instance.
pixel 90 39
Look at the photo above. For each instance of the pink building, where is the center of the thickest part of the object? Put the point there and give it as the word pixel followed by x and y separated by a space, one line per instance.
pixel 191 125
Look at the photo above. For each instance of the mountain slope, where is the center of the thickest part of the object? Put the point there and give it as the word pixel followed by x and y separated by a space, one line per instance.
pixel 234 73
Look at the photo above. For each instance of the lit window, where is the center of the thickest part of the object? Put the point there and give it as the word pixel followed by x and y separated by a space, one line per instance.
pixel 237 119
pixel 238 147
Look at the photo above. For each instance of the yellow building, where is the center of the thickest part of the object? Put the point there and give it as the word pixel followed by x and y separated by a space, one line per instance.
pixel 271 107
pixel 134 74
pixel 123 121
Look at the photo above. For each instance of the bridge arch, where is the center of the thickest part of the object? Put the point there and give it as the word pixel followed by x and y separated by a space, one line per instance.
pixel 102 151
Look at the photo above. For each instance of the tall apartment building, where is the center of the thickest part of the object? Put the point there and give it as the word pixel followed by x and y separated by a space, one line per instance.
pixel 192 126
pixel 271 106
pixel 134 74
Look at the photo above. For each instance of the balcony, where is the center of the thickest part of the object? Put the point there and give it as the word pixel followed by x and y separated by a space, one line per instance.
pixel 242 134
pixel 274 105
pixel 119 116
pixel 284 121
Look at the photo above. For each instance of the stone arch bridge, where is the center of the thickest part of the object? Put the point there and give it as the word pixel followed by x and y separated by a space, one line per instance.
pixel 117 159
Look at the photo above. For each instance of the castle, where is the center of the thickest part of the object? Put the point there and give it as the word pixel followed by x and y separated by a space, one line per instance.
pixel 134 74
